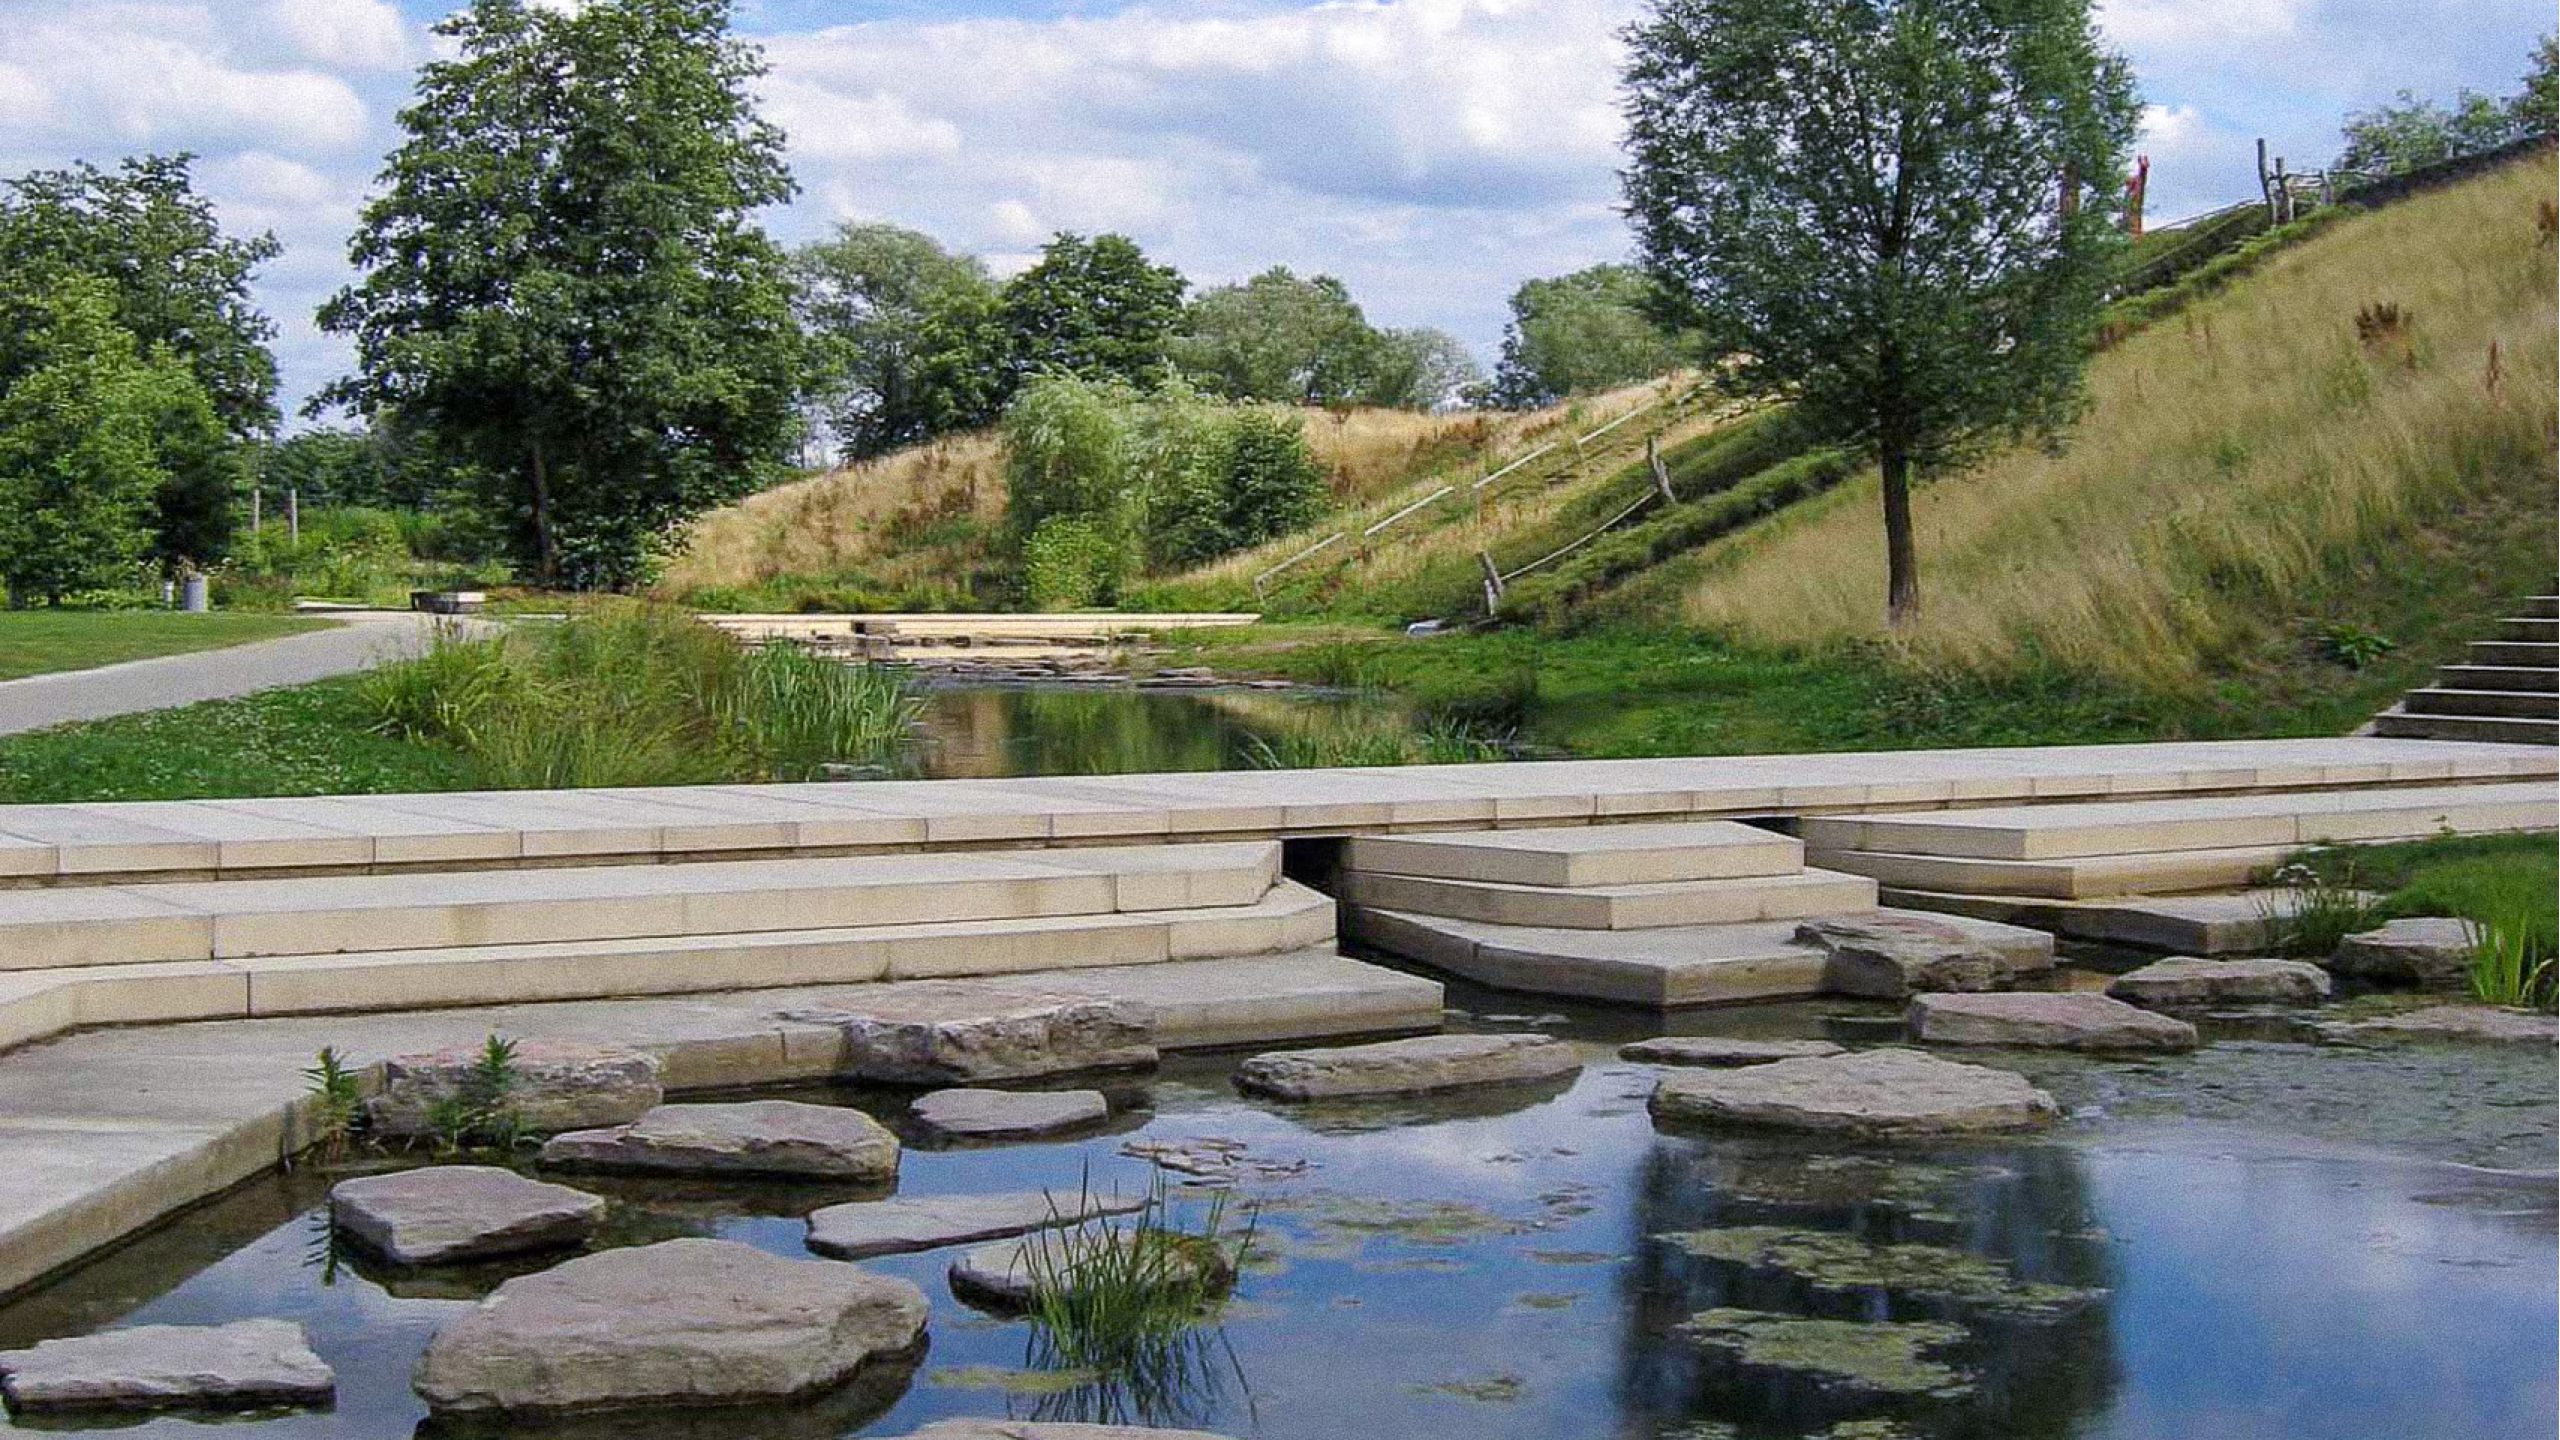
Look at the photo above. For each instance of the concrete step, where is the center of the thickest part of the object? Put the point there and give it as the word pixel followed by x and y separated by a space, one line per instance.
pixel 2498 677
pixel 2067 878
pixel 2231 923
pixel 2537 655
pixel 1583 855
pixel 2136 827
pixel 235 919
pixel 2510 704
pixel 2543 606
pixel 1679 965
pixel 2541 629
pixel 1615 907
pixel 2399 724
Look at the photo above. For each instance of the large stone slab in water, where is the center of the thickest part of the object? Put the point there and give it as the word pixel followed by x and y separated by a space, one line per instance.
pixel 559 1085
pixel 2050 1020
pixel 1890 956
pixel 2432 952
pixel 2183 980
pixel 1724 1052
pixel 970 1114
pixel 683 1322
pixel 1840 1359
pixel 1881 1094
pixel 928 1033
pixel 1403 1067
pixel 446 1213
pixel 157 1367
pixel 1048 1430
pixel 753 1137
pixel 2481 1023
pixel 926 1222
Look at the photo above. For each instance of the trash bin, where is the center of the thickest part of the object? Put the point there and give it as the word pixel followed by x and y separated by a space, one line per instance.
pixel 194 595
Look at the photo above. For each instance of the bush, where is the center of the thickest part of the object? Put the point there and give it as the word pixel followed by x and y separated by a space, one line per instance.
pixel 1273 483
pixel 1072 562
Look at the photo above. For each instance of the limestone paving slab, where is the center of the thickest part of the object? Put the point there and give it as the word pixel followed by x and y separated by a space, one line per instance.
pixel 974 1113
pixel 749 1137
pixel 1585 855
pixel 1724 1051
pixel 905 1224
pixel 1887 1093
pixel 2219 924
pixel 1680 965
pixel 693 1322
pixel 1889 955
pixel 1404 1067
pixel 2071 877
pixel 2191 823
pixel 2046 1019
pixel 247 1363
pixel 439 1214
pixel 1615 907
pixel 2432 952
pixel 2184 980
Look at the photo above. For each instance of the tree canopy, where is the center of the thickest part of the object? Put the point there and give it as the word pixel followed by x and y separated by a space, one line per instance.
pixel 1897 213
pixel 905 338
pixel 1095 307
pixel 1591 330
pixel 564 289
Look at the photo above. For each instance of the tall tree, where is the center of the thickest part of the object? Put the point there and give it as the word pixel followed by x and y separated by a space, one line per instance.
pixel 564 290
pixel 904 335
pixel 2537 105
pixel 1282 338
pixel 1095 307
pixel 1574 334
pixel 1897 213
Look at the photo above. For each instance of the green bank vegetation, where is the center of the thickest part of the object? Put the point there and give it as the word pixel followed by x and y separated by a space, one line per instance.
pixel 2505 887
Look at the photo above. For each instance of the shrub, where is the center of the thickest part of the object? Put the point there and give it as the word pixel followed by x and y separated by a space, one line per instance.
pixel 1273 483
pixel 1071 562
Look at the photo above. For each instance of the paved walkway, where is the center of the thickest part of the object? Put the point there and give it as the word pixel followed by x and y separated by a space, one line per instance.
pixel 362 639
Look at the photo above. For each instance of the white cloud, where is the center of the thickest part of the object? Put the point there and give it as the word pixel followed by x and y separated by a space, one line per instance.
pixel 350 34
pixel 2160 24
pixel 161 77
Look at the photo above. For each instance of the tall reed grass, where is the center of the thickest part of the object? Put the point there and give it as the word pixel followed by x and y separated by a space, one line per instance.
pixel 625 693
pixel 2250 448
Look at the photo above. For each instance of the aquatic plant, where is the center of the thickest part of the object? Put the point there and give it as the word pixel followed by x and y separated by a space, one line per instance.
pixel 1124 1297
pixel 481 1110
pixel 337 1102
pixel 2321 905
pixel 2511 964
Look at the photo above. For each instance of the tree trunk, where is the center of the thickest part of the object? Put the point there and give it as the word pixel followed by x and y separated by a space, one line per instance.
pixel 546 545
pixel 1901 561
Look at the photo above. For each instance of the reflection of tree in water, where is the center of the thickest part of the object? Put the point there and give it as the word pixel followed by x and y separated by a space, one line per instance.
pixel 1114 730
pixel 2028 1206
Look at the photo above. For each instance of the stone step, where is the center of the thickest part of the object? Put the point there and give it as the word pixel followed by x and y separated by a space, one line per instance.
pixel 2498 677
pixel 2542 655
pixel 2075 877
pixel 2399 724
pixel 321 915
pixel 2545 607
pixel 37 1003
pixel 2134 827
pixel 2509 704
pixel 1679 965
pixel 2541 629
pixel 2232 923
pixel 1616 907
pixel 1583 855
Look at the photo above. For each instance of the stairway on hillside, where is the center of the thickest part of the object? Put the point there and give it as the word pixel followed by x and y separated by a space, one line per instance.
pixel 2508 689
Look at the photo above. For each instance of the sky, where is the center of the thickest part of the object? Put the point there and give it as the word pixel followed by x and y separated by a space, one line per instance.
pixel 1432 153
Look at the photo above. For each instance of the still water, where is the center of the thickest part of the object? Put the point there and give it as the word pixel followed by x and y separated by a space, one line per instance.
pixel 998 731
pixel 1493 1265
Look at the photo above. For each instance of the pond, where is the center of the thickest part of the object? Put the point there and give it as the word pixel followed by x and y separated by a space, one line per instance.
pixel 2262 1239
pixel 1103 729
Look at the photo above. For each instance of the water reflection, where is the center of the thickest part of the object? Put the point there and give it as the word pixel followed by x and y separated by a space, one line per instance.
pixel 1118 730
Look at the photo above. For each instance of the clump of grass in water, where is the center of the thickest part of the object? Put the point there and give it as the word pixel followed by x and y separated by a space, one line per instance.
pixel 1123 1299
pixel 337 1101
pixel 2510 963
pixel 482 1111
pixel 1440 741
pixel 2320 907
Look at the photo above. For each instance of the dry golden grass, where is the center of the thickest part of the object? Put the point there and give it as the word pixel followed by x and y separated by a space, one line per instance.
pixel 2232 453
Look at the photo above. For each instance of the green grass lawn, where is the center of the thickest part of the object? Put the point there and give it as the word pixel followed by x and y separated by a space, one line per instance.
pixel 308 740
pixel 37 642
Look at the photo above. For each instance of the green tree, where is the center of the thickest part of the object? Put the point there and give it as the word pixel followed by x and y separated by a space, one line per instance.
pixel 2410 132
pixel 1098 308
pixel 1284 339
pixel 2537 105
pixel 1575 334
pixel 1897 213
pixel 1273 482
pixel 81 430
pixel 564 291
pixel 1425 369
pixel 905 338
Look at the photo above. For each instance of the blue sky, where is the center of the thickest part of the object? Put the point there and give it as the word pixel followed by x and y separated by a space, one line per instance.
pixel 1433 153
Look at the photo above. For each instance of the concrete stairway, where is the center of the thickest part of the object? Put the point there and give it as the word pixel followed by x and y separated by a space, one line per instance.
pixel 1645 914
pixel 187 950
pixel 2507 691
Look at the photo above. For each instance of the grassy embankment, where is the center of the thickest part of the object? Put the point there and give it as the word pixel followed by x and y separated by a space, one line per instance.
pixel 39 642
pixel 2506 888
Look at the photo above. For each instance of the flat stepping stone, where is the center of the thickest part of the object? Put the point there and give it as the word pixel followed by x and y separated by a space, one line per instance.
pixel 972 1114
pixel 1006 1278
pixel 2432 952
pixel 245 1364
pixel 1878 1094
pixel 2487 1024
pixel 1839 1359
pixel 928 1222
pixel 955 1032
pixel 559 1085
pixel 1723 1051
pixel 2183 981
pixel 683 1322
pixel 1404 1067
pixel 753 1137
pixel 1048 1430
pixel 1889 957
pixel 2046 1020
pixel 447 1213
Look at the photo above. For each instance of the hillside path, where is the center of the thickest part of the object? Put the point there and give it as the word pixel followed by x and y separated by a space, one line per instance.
pixel 362 639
